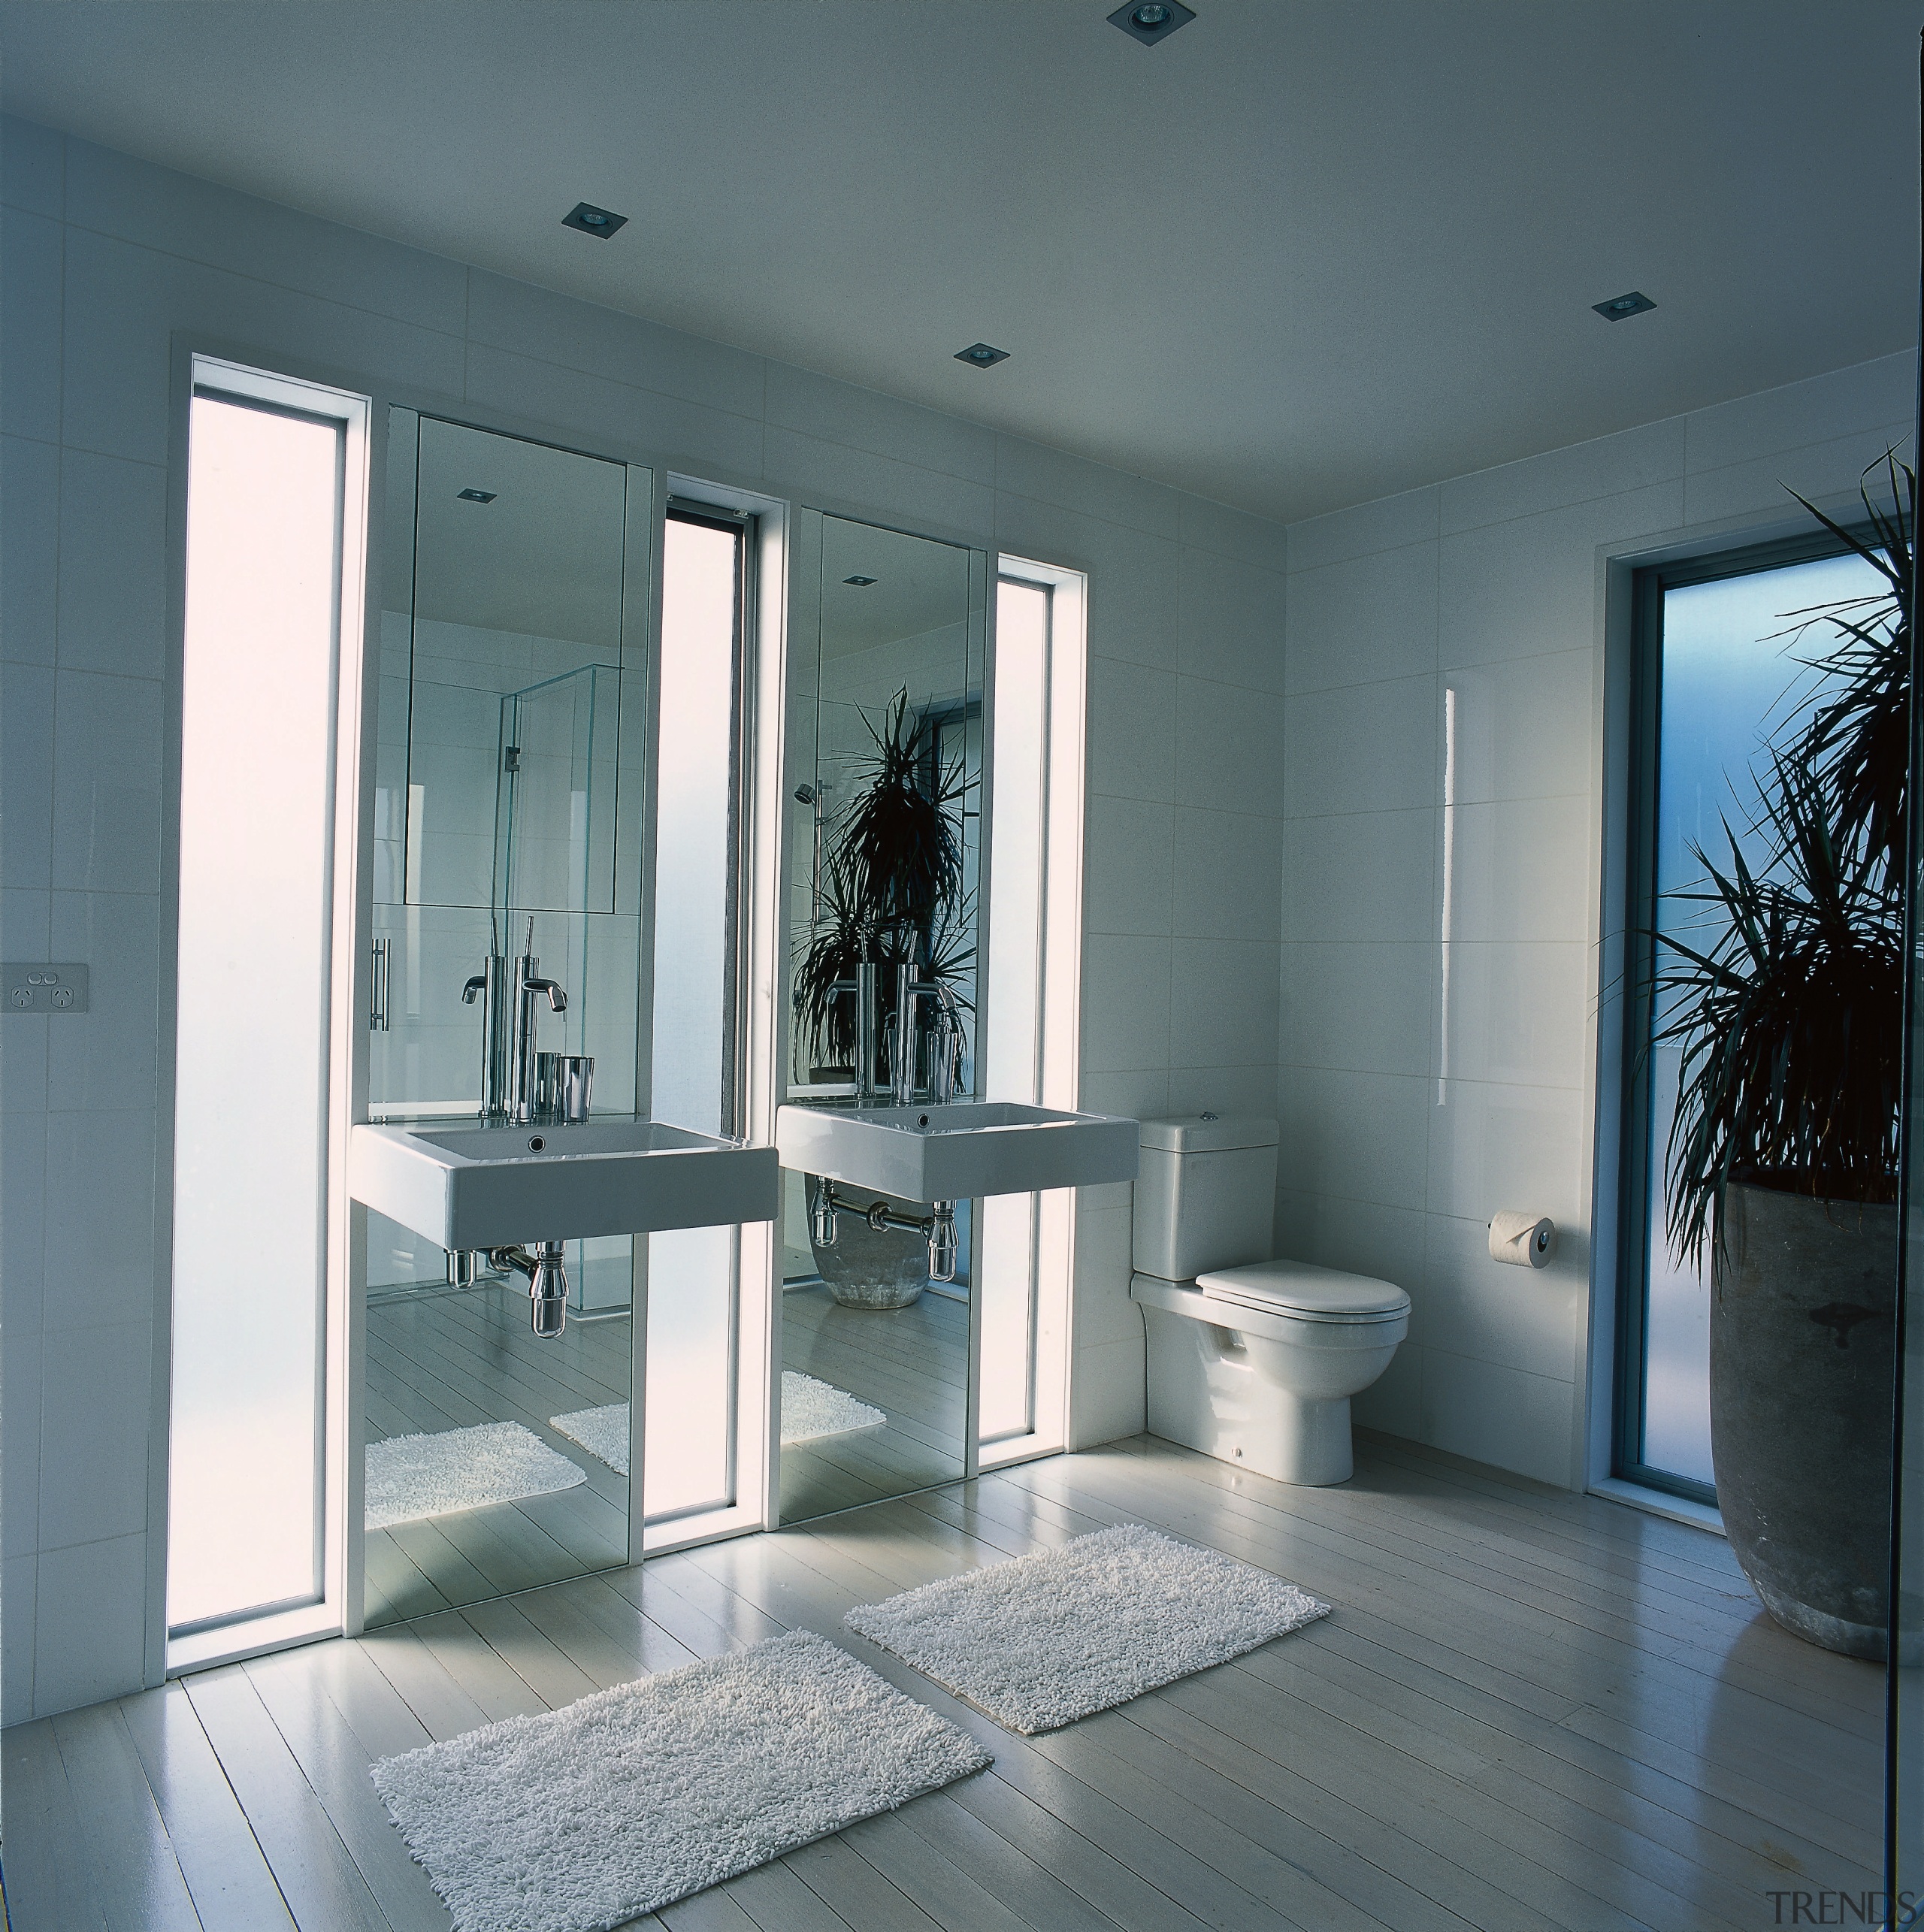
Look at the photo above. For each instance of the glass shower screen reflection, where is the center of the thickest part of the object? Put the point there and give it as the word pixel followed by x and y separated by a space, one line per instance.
pixel 257 767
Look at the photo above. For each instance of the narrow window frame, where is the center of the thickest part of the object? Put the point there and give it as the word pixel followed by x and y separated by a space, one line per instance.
pixel 1057 1073
pixel 1641 1136
pixel 268 1628
pixel 756 951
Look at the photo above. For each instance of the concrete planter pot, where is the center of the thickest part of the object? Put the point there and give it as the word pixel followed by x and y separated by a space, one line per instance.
pixel 866 1269
pixel 1803 1321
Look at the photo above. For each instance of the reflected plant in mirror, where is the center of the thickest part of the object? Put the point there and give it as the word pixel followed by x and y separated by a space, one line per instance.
pixel 891 895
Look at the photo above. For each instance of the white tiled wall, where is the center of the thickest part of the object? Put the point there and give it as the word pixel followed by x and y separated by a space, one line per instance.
pixel 1409 1116
pixel 1182 857
pixel 105 258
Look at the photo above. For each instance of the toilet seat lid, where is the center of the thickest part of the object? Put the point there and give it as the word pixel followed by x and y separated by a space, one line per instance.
pixel 1298 1288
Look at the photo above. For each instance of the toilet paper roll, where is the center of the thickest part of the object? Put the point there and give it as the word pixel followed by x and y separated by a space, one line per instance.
pixel 1523 1240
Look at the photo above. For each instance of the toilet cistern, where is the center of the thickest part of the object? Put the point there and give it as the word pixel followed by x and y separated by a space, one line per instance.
pixel 1250 1360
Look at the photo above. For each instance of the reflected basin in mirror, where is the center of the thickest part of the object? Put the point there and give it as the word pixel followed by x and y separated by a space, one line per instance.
pixel 957 1151
pixel 491 1187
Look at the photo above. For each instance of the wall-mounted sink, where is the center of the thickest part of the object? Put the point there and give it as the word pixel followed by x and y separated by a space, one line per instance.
pixel 958 1150
pixel 475 1186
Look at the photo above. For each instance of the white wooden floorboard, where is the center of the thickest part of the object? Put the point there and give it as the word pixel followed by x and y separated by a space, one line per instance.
pixel 1529 1712
pixel 911 1363
pixel 439 1361
pixel 231 1884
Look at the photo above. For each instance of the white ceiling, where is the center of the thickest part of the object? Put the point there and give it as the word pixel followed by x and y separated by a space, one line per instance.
pixel 1299 256
pixel 544 559
pixel 921 586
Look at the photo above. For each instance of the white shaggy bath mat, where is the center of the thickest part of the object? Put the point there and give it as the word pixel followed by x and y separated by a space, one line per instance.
pixel 809 1409
pixel 1041 1641
pixel 582 1818
pixel 603 1433
pixel 409 1476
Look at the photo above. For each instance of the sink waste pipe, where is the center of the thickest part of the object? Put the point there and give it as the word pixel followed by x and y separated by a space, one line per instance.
pixel 937 1229
pixel 547 1283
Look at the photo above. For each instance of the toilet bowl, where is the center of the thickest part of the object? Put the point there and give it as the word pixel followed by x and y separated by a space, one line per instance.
pixel 1251 1361
pixel 1255 1365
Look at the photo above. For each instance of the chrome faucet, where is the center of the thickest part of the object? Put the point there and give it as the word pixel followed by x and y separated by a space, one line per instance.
pixel 945 1039
pixel 529 986
pixel 866 971
pixel 491 987
pixel 945 1043
pixel 863 986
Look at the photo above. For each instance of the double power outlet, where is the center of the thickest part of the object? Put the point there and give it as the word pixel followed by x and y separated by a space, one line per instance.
pixel 60 988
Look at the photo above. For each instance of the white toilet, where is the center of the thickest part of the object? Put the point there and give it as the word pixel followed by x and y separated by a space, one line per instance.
pixel 1251 1361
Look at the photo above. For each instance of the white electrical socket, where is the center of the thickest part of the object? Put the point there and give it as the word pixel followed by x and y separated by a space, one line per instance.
pixel 35 986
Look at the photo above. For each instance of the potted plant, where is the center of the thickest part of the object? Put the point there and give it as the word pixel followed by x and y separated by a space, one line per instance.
pixel 1783 1155
pixel 892 892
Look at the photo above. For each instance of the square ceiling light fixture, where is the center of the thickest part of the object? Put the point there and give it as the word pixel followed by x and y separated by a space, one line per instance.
pixel 476 496
pixel 1635 303
pixel 592 220
pixel 981 356
pixel 1151 21
pixel 862 582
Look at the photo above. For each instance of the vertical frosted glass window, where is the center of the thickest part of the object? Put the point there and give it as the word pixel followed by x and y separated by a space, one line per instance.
pixel 1725 656
pixel 265 520
pixel 1012 1038
pixel 688 1421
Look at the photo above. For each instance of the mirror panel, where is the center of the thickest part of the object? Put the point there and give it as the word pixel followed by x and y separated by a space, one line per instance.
pixel 884 746
pixel 509 770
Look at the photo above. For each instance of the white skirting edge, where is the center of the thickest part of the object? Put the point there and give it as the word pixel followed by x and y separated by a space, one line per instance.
pixel 1659 1503
pixel 253 1636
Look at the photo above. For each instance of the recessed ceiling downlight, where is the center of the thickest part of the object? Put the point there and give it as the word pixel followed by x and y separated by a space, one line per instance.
pixel 1636 303
pixel 592 220
pixel 476 496
pixel 981 356
pixel 863 581
pixel 1151 21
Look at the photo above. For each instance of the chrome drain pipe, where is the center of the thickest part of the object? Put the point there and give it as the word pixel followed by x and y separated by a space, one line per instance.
pixel 547 1283
pixel 945 1244
pixel 937 1229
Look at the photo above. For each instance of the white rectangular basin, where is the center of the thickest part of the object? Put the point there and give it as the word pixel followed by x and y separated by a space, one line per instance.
pixel 475 1187
pixel 957 1151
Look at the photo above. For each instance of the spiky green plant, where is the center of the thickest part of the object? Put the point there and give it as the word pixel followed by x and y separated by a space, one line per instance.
pixel 1858 742
pixel 1790 1021
pixel 901 836
pixel 1788 1009
pixel 891 885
